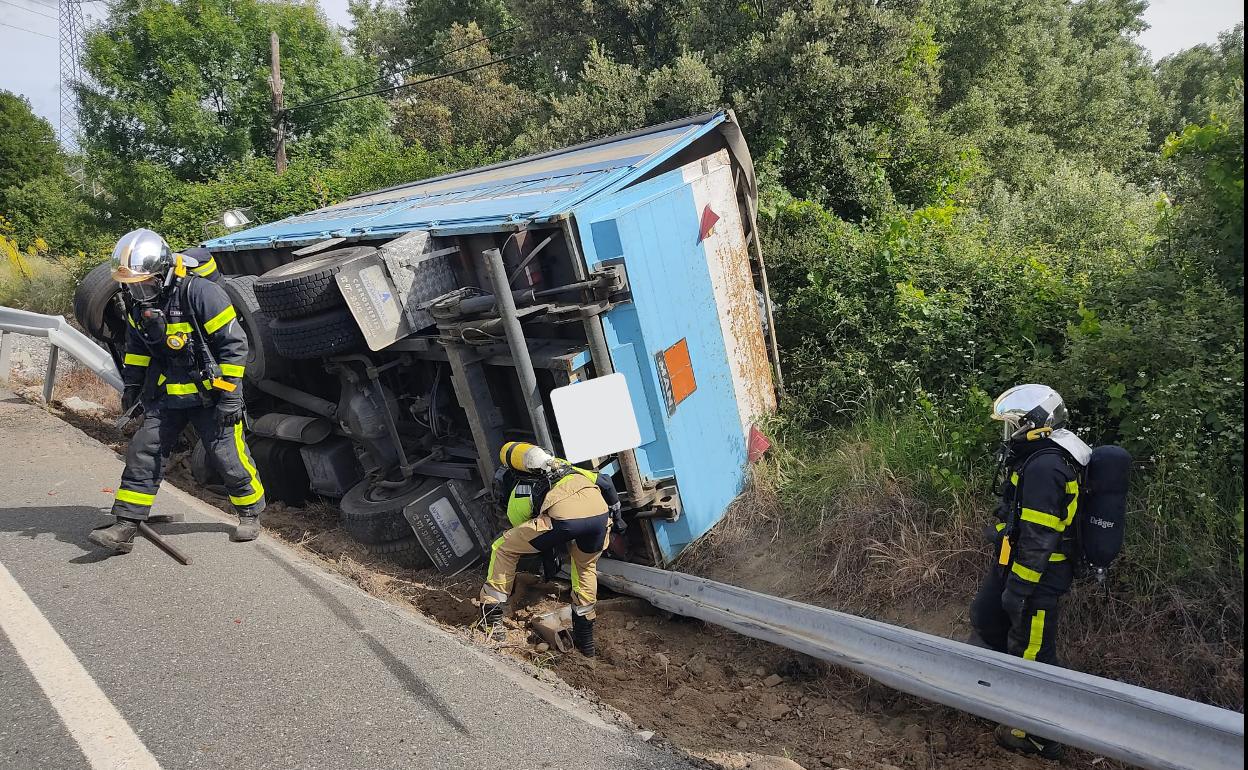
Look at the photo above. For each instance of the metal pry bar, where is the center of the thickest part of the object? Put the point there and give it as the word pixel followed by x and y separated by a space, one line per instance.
pixel 163 544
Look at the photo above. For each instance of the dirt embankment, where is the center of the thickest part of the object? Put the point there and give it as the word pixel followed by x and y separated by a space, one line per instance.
pixel 731 701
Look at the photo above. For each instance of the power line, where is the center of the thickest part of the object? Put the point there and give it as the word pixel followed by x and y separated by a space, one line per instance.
pixel 420 63
pixel 413 84
pixel 28 10
pixel 23 29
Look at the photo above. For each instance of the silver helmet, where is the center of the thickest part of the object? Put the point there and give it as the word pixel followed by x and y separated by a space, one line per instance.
pixel 140 256
pixel 1025 408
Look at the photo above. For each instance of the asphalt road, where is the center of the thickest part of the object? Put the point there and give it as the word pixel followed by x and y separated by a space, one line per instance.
pixel 249 658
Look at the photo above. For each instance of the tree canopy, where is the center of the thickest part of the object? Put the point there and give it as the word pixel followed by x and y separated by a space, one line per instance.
pixel 28 146
pixel 185 83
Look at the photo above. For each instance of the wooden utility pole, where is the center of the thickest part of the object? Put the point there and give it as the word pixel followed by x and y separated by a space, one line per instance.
pixel 279 110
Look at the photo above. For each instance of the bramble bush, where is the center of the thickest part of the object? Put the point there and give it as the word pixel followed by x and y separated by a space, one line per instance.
pixel 926 315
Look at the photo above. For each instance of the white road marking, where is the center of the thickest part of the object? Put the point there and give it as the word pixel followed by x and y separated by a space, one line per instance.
pixel 105 738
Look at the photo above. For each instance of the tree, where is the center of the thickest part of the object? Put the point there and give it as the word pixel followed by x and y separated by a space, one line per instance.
pixel 28 147
pixel 840 91
pixel 1206 179
pixel 1199 80
pixel 477 108
pixel 1027 80
pixel 612 97
pixel 394 36
pixel 184 83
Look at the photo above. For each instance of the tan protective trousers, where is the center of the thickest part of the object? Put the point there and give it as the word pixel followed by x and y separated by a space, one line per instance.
pixel 572 517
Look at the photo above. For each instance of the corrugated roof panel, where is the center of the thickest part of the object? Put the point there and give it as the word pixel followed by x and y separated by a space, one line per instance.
pixel 546 184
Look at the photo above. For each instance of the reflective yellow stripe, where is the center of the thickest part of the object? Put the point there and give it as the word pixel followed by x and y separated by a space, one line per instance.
pixel 1037 636
pixel 232 370
pixel 576 576
pixel 185 388
pixel 179 328
pixel 134 359
pixel 138 498
pixel 1057 557
pixel 220 319
pixel 130 321
pixel 1000 525
pixel 1014 479
pixel 1030 575
pixel 1072 488
pixel 257 491
pixel 206 269
pixel 489 588
pixel 160 380
pixel 1043 519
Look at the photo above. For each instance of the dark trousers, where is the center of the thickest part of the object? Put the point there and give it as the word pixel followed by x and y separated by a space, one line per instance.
pixel 149 452
pixel 1031 633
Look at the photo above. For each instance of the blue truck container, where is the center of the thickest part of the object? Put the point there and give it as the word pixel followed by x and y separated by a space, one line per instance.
pixel 634 256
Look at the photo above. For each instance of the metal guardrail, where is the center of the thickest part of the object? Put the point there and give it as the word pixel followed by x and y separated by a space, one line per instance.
pixel 62 336
pixel 1133 724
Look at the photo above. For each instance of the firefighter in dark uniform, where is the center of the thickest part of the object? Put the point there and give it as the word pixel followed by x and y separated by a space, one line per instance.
pixel 205 266
pixel 551 504
pixel 1016 609
pixel 184 362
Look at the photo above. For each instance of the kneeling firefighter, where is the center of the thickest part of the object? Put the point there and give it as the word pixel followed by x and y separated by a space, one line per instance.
pixel 184 362
pixel 551 503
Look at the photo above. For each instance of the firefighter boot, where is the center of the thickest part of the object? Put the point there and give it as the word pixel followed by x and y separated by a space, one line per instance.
pixel 583 635
pixel 492 621
pixel 1017 740
pixel 119 537
pixel 248 528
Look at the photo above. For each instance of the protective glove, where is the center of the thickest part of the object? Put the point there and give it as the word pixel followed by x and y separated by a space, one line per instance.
pixel 130 396
pixel 550 564
pixel 617 518
pixel 1014 603
pixel 230 409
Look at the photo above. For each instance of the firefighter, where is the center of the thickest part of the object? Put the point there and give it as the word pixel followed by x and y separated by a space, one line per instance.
pixel 204 265
pixel 551 503
pixel 184 362
pixel 1016 609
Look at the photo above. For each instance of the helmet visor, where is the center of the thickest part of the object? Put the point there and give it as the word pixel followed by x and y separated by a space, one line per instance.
pixel 144 290
pixel 127 274
pixel 1039 405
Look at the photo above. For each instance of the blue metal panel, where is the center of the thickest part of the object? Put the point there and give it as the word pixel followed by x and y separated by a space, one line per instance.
pixel 537 188
pixel 656 226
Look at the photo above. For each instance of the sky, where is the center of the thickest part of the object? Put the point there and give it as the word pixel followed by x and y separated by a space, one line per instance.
pixel 29 51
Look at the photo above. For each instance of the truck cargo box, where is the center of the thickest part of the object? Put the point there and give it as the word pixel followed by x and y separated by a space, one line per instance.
pixel 489 289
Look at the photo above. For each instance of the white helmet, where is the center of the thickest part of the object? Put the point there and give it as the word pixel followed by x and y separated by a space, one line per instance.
pixel 139 256
pixel 1027 407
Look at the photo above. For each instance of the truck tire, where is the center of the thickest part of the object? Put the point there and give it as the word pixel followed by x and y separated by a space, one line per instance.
pixel 100 311
pixel 306 286
pixel 324 334
pixel 406 552
pixel 373 514
pixel 263 360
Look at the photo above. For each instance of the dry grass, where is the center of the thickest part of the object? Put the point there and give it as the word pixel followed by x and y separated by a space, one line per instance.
pixel 861 538
pixel 83 383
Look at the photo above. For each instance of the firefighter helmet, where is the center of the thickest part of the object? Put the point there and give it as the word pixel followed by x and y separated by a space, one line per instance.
pixel 139 256
pixel 1025 408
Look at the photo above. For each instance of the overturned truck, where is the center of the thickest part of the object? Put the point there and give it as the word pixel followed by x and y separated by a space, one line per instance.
pixel 608 300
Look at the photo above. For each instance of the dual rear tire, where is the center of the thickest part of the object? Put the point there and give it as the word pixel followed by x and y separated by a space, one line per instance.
pixel 310 318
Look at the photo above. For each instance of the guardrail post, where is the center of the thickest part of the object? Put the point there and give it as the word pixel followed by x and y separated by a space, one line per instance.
pixel 6 355
pixel 49 379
